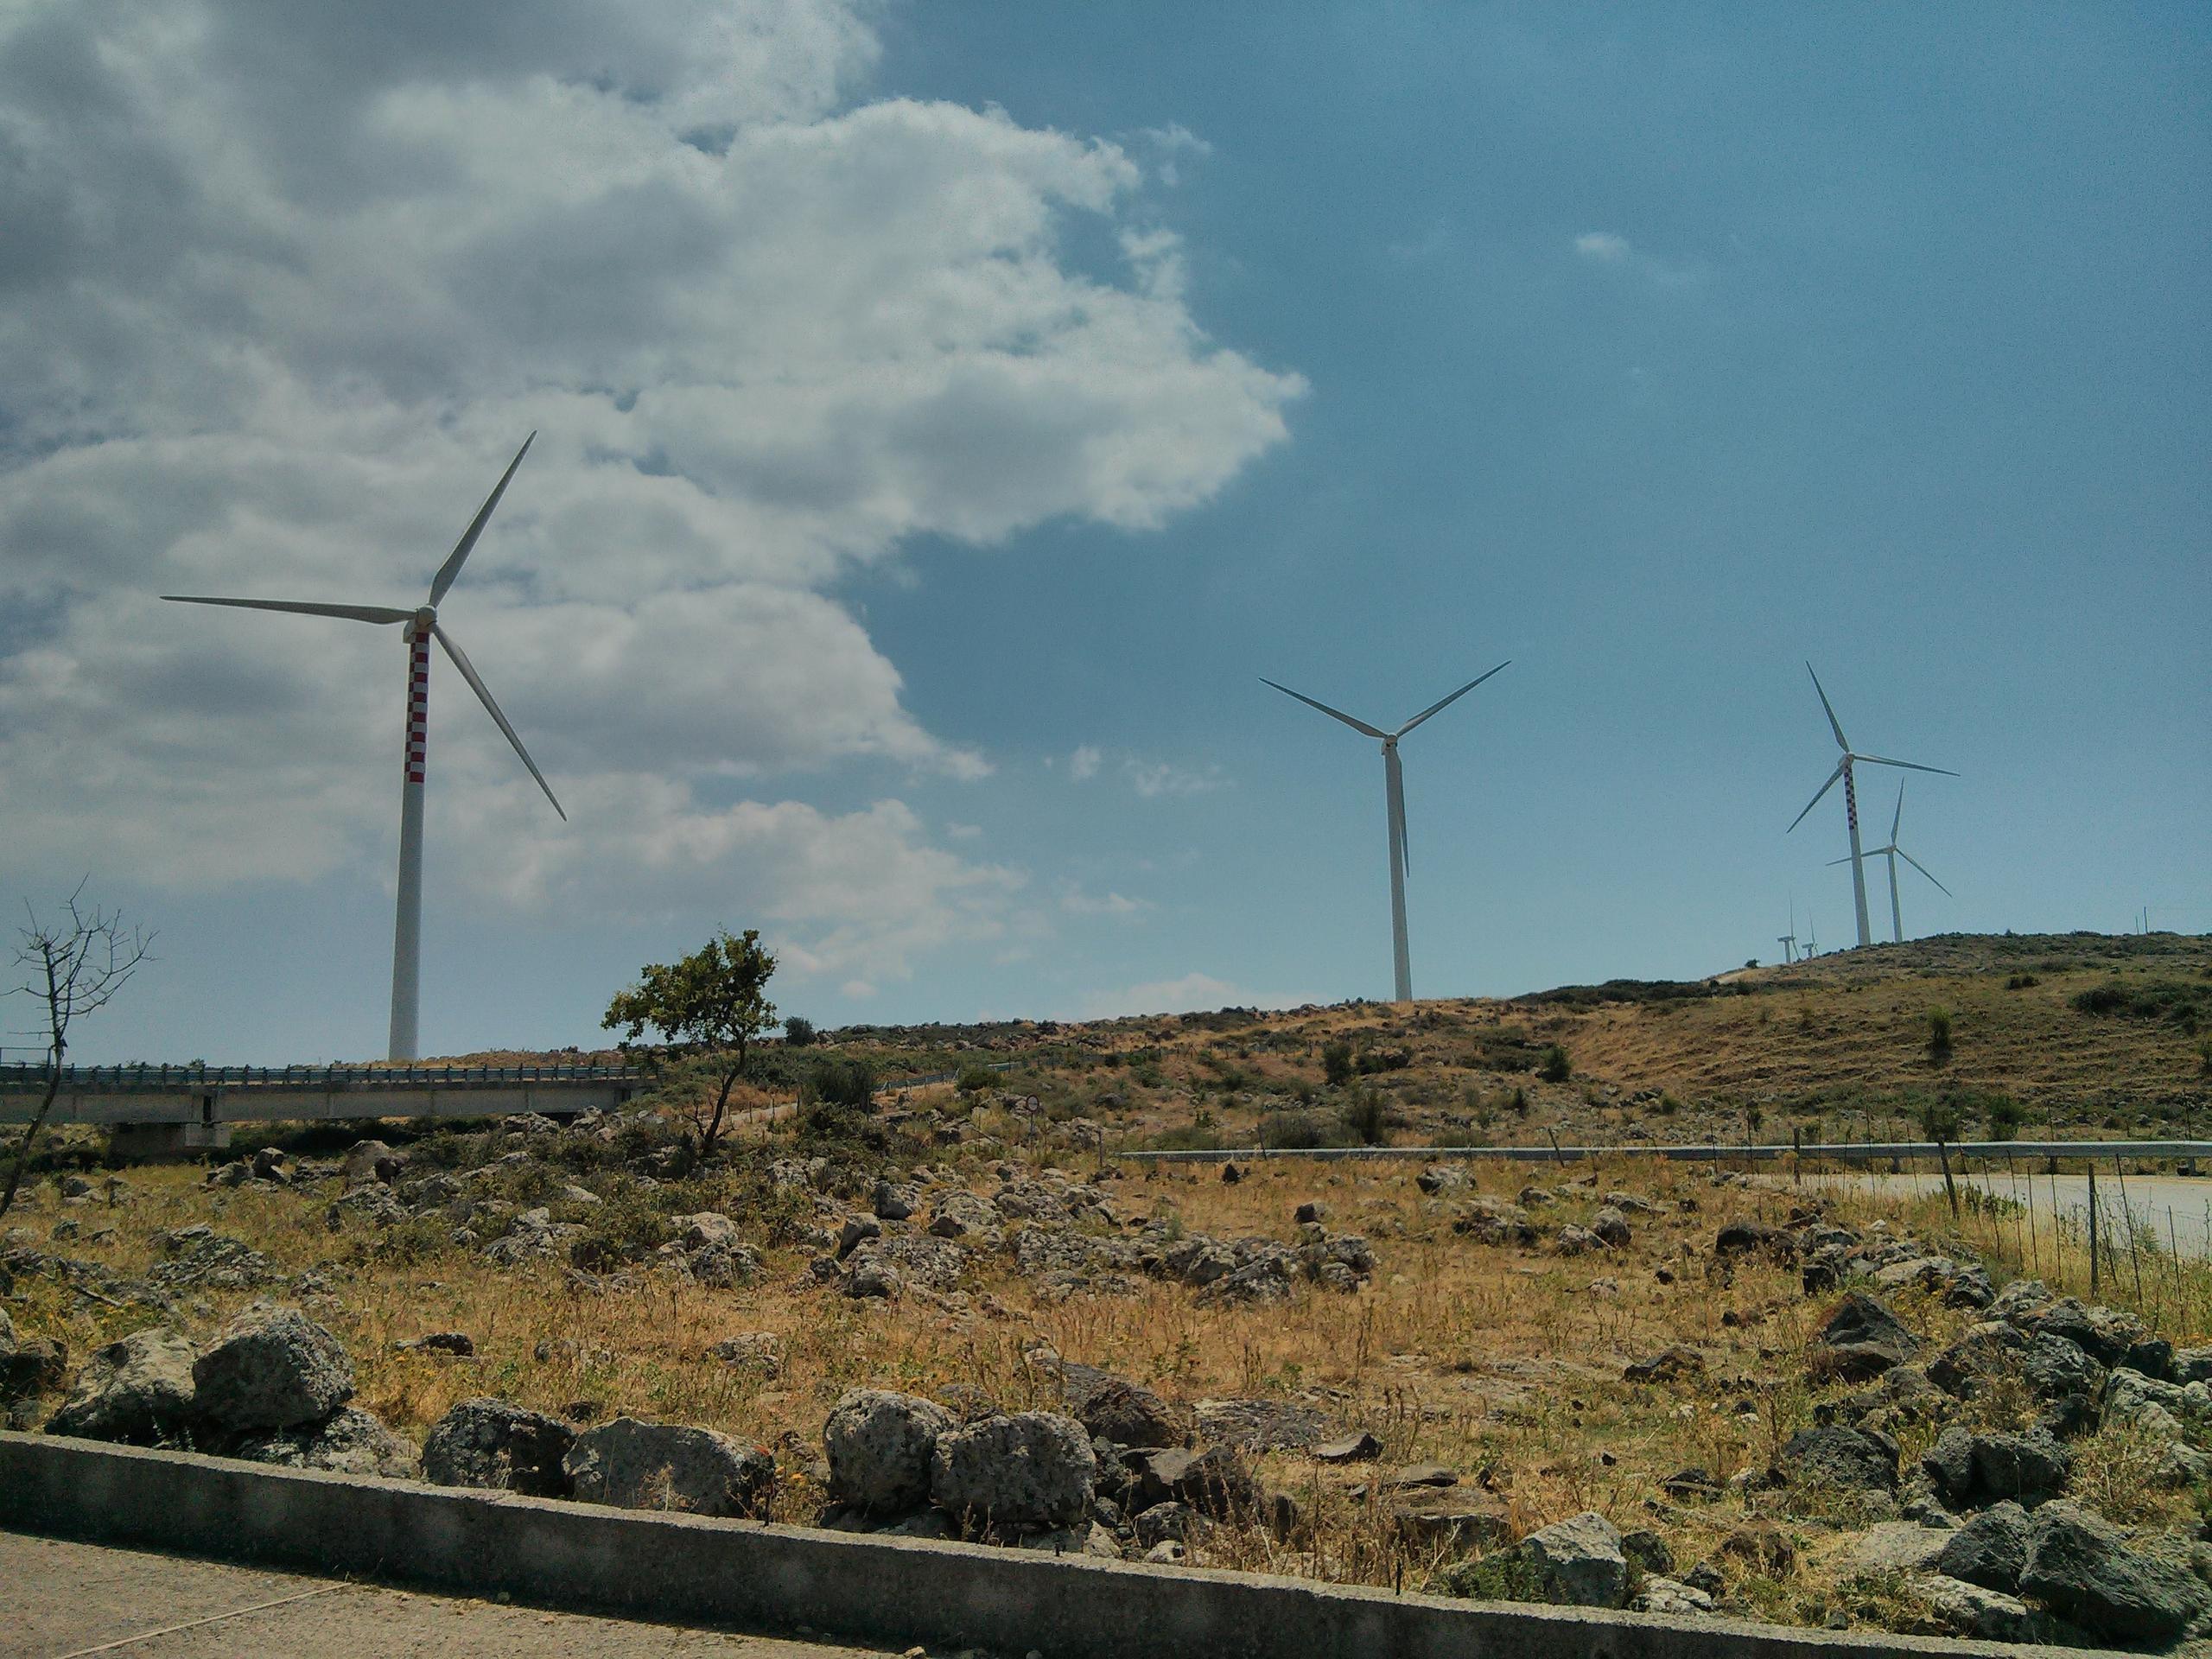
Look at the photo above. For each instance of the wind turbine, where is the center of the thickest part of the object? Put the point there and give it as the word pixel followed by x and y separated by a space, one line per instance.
pixel 1851 801
pixel 1393 784
pixel 1789 940
pixel 417 627
pixel 1893 852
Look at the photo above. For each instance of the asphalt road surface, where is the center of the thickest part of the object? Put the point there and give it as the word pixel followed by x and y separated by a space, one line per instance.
pixel 2176 1209
pixel 71 1601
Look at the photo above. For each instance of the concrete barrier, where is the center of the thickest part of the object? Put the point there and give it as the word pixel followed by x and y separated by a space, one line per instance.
pixel 748 1575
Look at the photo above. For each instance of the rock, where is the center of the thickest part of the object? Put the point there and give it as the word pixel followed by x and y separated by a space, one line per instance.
pixel 498 1446
pixel 634 1464
pixel 1230 1174
pixel 1990 1549
pixel 1129 1414
pixel 453 1344
pixel 1964 1609
pixel 1862 1339
pixel 1577 1241
pixel 1213 1481
pixel 1262 1425
pixel 137 1390
pixel 1085 1538
pixel 2103 1333
pixel 2191 1365
pixel 1169 1520
pixel 856 1231
pixel 759 1351
pixel 879 1446
pixel 1849 1460
pixel 350 1443
pixel 1648 1551
pixel 1489 1221
pixel 707 1230
pixel 1981 1353
pixel 1668 1365
pixel 894 1202
pixel 1359 1448
pixel 1171 1553
pixel 1664 1595
pixel 1439 1178
pixel 1579 1561
pixel 271 1368
pixel 1033 1468
pixel 2086 1569
pixel 1611 1226
pixel 1753 1237
pixel 1760 1545
pixel 2020 1300
pixel 1893 1546
pixel 1970 1468
pixel 370 1160
pixel 2055 1368
pixel 1690 1485
pixel 1309 1212
pixel 203 1260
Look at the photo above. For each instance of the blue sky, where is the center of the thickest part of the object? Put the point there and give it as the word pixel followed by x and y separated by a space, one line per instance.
pixel 1007 389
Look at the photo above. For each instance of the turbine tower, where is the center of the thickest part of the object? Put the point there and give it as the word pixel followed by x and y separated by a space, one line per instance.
pixel 1393 786
pixel 417 628
pixel 1851 801
pixel 1893 852
pixel 1789 940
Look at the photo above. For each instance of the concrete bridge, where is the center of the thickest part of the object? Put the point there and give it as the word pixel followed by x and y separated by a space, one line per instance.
pixel 156 1109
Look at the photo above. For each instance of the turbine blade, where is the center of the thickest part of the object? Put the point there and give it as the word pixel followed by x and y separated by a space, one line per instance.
pixel 1335 714
pixel 476 684
pixel 1815 801
pixel 1898 817
pixel 1923 868
pixel 1397 778
pixel 1834 725
pixel 379 614
pixel 1908 766
pixel 1435 707
pixel 459 556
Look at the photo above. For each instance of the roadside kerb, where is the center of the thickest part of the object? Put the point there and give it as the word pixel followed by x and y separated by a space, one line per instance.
pixel 689 1569
pixel 1847 1152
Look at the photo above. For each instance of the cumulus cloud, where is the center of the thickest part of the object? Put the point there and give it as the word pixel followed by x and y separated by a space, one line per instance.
pixel 1078 901
pixel 1155 777
pixel 1602 245
pixel 1084 764
pixel 281 289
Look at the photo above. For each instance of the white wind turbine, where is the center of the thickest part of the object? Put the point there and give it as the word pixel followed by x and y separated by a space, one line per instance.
pixel 417 627
pixel 1893 852
pixel 1851 801
pixel 1789 940
pixel 1393 784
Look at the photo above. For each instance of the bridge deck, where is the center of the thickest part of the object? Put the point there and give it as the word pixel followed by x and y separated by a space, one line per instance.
pixel 228 1094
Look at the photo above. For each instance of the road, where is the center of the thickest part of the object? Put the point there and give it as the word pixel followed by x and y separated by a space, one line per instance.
pixel 62 1600
pixel 2175 1206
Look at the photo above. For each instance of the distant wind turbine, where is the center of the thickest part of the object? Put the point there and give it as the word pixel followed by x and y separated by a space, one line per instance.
pixel 417 627
pixel 1789 940
pixel 1851 801
pixel 1393 784
pixel 1893 852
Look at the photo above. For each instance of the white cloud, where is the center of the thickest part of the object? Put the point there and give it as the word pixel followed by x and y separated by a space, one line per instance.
pixel 1607 247
pixel 1602 245
pixel 281 288
pixel 859 989
pixel 1155 777
pixel 1084 764
pixel 1077 902
pixel 1193 992
pixel 1170 143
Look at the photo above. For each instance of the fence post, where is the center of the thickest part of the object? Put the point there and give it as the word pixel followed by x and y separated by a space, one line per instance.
pixel 2093 1226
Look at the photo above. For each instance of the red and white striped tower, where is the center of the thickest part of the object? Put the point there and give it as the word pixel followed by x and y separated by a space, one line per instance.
pixel 407 927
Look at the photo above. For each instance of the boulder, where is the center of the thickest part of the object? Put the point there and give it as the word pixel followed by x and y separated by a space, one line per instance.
pixel 1963 1608
pixel 1989 1550
pixel 1665 1595
pixel 1893 1547
pixel 707 1230
pixel 757 1351
pixel 893 1201
pixel 1611 1226
pixel 1982 1352
pixel 1031 1469
pixel 856 1231
pixel 1669 1365
pixel 2056 1368
pixel 370 1160
pixel 879 1446
pixel 1577 1241
pixel 2085 1568
pixel 1753 1237
pixel 1849 1460
pixel 2105 1334
pixel 1490 1221
pixel 1440 1178
pixel 271 1368
pixel 1129 1415
pixel 1262 1425
pixel 635 1464
pixel 350 1443
pixel 137 1390
pixel 491 1444
pixel 1579 1562
pixel 1862 1339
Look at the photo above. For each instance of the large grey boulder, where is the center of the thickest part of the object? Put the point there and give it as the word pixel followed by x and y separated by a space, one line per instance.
pixel 1033 1469
pixel 1964 1608
pixel 1863 1339
pixel 491 1444
pixel 137 1390
pixel 1579 1561
pixel 1971 1467
pixel 2087 1569
pixel 1129 1414
pixel 351 1443
pixel 1989 1550
pixel 1214 1482
pixel 879 1445
pixel 634 1464
pixel 272 1368
pixel 1850 1459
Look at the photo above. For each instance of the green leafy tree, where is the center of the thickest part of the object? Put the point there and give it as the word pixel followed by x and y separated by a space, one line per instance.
pixel 1557 1067
pixel 710 1007
pixel 799 1033
pixel 1335 1063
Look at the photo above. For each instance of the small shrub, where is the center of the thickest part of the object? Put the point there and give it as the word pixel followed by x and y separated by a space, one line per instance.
pixel 1336 1062
pixel 975 1077
pixel 1556 1066
pixel 1294 1131
pixel 1367 1116
pixel 1520 1101
pixel 2004 1116
pixel 2021 981
pixel 1939 1035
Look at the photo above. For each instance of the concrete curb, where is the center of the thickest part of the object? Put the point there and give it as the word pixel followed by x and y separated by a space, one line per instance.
pixel 687 1569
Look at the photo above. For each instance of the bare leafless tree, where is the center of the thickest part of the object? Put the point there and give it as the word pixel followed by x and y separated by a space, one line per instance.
pixel 71 968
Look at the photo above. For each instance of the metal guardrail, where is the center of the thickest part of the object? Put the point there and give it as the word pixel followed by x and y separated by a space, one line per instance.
pixel 124 1079
pixel 1838 1152
pixel 947 1077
